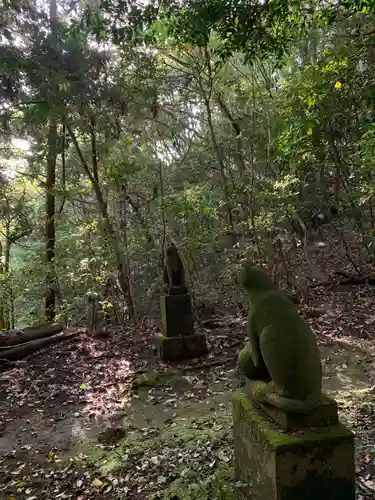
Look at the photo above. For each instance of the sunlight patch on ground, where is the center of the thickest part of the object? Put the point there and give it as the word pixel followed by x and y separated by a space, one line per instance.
pixel 19 143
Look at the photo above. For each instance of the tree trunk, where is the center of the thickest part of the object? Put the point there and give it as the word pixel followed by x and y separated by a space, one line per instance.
pixel 11 303
pixel 240 157
pixel 215 145
pixel 137 211
pixel 221 166
pixel 207 96
pixel 2 319
pixel 50 299
pixel 121 266
pixel 241 162
pixel 50 304
pixel 7 284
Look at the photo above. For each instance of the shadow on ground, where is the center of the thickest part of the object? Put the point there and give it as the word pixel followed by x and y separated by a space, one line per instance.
pixel 169 438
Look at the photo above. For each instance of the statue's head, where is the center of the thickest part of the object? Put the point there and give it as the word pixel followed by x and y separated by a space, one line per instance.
pixel 252 277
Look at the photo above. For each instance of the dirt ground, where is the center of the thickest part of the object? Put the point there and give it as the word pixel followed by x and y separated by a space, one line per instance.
pixel 73 426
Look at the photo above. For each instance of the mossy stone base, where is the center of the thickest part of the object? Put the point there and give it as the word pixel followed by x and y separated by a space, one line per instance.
pixel 182 348
pixel 304 465
pixel 176 315
pixel 322 416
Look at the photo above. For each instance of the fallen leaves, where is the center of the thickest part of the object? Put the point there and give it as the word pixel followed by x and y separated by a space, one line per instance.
pixel 181 437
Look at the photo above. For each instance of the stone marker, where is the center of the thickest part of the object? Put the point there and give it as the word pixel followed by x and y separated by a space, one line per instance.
pixel 289 444
pixel 178 341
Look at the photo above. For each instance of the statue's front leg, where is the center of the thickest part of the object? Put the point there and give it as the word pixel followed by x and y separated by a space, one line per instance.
pixel 247 366
pixel 245 362
pixel 261 371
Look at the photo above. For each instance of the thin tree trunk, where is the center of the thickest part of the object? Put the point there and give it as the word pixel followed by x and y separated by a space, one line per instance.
pixel 11 307
pixel 2 318
pixel 7 278
pixel 121 266
pixel 221 166
pixel 252 153
pixel 137 211
pixel 163 218
pixel 240 155
pixel 207 98
pixel 241 162
pixel 50 301
pixel 132 309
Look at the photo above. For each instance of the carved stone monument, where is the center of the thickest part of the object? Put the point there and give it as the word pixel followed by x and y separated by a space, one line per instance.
pixel 289 443
pixel 178 340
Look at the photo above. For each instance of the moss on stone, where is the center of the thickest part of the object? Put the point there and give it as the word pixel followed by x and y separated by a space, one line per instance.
pixel 279 339
pixel 277 436
pixel 149 379
pixel 308 464
pixel 182 348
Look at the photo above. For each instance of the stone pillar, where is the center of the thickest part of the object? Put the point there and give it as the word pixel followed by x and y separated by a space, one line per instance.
pixel 178 340
pixel 284 456
pixel 176 315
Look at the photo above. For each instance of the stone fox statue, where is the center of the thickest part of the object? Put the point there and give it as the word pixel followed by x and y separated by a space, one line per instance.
pixel 173 272
pixel 281 358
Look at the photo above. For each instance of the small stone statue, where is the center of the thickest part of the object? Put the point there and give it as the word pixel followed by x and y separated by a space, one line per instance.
pixel 173 272
pixel 281 360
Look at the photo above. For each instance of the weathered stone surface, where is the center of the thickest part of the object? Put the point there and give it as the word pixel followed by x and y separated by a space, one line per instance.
pixel 325 414
pixel 175 290
pixel 305 465
pixel 176 314
pixel 182 348
pixel 178 290
pixel 281 347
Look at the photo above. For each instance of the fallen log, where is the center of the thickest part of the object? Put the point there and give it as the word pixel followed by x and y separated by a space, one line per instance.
pixel 355 279
pixel 11 338
pixel 342 278
pixel 21 351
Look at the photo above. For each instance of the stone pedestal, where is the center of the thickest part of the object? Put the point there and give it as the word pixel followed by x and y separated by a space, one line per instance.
pixel 176 315
pixel 182 348
pixel 178 341
pixel 315 463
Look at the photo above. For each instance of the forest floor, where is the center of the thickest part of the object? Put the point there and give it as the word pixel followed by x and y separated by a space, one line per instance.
pixel 61 408
pixel 74 424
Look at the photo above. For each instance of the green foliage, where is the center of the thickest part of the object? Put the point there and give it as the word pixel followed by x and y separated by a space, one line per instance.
pixel 172 134
pixel 262 28
pixel 28 283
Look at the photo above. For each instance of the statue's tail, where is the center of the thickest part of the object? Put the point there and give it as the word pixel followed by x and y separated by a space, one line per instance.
pixel 264 392
pixel 292 405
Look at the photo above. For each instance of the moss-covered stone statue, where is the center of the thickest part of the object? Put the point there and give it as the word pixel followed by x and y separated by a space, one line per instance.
pixel 173 271
pixel 281 360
